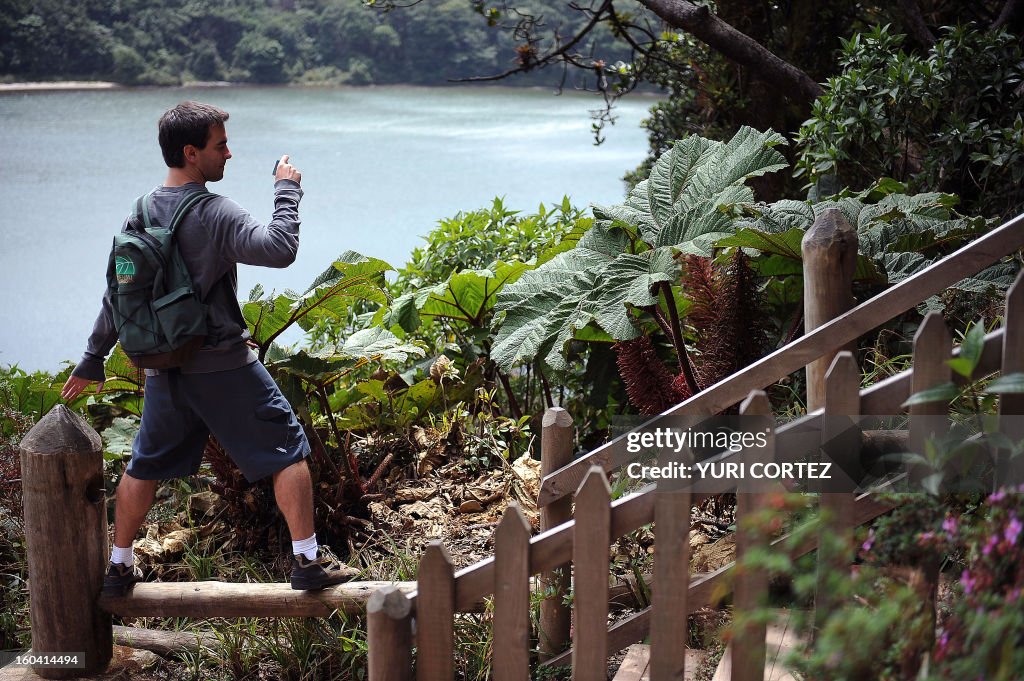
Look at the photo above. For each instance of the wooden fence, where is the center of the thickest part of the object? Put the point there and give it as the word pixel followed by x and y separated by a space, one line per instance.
pixel 584 541
pixel 65 523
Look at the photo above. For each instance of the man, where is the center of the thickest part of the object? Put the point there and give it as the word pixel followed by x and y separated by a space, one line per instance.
pixel 223 389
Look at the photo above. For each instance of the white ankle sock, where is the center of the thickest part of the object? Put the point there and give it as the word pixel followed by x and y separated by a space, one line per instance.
pixel 124 556
pixel 307 547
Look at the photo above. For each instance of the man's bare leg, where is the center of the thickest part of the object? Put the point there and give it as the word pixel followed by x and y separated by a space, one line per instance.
pixel 134 497
pixel 293 489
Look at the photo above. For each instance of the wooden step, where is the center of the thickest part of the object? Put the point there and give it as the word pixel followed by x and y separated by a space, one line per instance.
pixel 635 667
pixel 781 639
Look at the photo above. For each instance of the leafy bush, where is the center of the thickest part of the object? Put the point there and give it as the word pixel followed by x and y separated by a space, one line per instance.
pixel 950 121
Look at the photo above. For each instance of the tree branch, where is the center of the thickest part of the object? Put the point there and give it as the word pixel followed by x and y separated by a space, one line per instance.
pixel 916 25
pixel 735 45
pixel 528 61
pixel 1010 16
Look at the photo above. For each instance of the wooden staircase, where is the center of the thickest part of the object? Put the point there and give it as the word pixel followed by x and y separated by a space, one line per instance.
pixel 781 640
pixel 581 544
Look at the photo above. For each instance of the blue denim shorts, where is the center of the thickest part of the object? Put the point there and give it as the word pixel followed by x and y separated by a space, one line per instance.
pixel 243 408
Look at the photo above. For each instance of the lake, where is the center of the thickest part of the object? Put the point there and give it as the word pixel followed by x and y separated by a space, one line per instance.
pixel 380 167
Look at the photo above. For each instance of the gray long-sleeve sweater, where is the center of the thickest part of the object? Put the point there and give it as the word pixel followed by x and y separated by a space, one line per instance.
pixel 213 238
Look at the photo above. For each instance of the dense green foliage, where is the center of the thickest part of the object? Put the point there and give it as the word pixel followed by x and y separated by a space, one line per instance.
pixel 949 121
pixel 696 202
pixel 336 41
pixel 503 313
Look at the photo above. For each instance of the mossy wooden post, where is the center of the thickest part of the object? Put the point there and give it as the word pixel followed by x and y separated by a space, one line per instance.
pixel 555 615
pixel 830 260
pixel 66 531
pixel 389 635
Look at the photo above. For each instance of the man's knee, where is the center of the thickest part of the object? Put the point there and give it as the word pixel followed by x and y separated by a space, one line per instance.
pixel 299 468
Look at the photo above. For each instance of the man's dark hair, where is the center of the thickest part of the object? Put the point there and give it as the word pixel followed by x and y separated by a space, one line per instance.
pixel 187 123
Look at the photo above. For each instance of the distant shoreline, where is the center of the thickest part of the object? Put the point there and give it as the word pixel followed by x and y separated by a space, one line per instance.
pixel 58 85
pixel 55 85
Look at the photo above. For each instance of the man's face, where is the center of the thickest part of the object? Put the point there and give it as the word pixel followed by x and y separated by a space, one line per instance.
pixel 211 159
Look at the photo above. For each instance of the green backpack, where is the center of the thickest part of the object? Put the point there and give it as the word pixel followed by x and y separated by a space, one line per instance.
pixel 160 320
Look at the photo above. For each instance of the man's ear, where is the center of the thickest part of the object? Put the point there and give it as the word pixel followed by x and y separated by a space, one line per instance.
pixel 190 152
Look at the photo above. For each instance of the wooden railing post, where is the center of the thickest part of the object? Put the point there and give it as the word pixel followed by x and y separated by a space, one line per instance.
pixel 511 659
pixel 751 586
pixel 830 260
pixel 836 522
pixel 671 580
pixel 933 348
pixel 1011 405
pixel 435 615
pixel 389 635
pixel 555 615
pixel 590 559
pixel 66 531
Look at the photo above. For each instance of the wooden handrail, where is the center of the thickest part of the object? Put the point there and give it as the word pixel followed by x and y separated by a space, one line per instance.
pixel 930 281
pixel 554 547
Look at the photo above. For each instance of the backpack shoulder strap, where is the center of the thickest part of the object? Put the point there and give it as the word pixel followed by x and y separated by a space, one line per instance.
pixel 140 213
pixel 186 205
pixel 140 209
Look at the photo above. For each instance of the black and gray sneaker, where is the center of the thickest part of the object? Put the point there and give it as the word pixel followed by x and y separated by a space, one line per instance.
pixel 120 578
pixel 323 571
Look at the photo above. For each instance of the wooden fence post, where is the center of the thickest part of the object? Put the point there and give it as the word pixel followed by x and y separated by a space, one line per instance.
pixel 671 586
pixel 1011 405
pixel 751 589
pixel 511 659
pixel 435 615
pixel 829 260
pixel 933 347
pixel 389 635
pixel 66 531
pixel 836 523
pixel 590 559
pixel 555 614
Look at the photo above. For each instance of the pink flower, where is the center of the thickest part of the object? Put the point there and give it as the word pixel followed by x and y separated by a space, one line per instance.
pixel 869 542
pixel 993 540
pixel 1013 530
pixel 949 525
pixel 967 581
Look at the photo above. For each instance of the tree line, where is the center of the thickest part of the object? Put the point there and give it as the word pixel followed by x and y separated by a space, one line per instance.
pixel 135 42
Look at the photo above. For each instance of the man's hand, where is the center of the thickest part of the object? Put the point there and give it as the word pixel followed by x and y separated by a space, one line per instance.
pixel 75 385
pixel 286 171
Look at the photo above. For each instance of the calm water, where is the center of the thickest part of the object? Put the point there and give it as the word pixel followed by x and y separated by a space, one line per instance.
pixel 380 167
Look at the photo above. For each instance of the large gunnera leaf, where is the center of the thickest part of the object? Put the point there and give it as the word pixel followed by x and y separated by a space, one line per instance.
pixel 352 278
pixel 688 200
pixel 594 282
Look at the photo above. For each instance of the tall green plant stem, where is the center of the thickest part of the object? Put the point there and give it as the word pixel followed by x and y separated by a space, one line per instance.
pixel 321 394
pixel 676 332
pixel 549 401
pixel 513 404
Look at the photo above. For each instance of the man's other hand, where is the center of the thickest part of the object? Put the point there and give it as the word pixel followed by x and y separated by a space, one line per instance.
pixel 75 385
pixel 286 171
